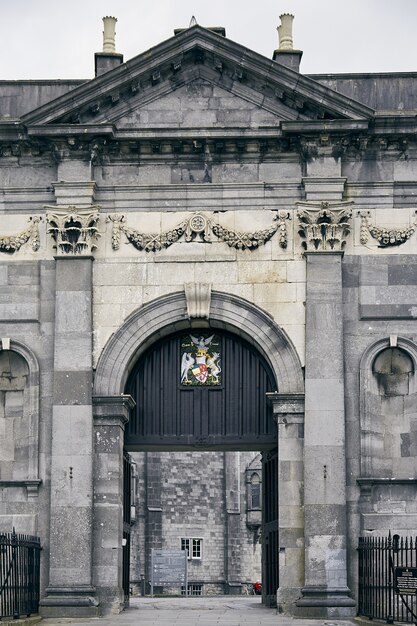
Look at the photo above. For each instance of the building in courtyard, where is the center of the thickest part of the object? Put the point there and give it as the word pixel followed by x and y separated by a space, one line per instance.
pixel 209 504
pixel 205 250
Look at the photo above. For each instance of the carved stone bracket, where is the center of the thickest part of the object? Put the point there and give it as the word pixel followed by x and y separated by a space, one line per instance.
pixel 199 227
pixel 324 226
pixel 386 237
pixel 12 243
pixel 73 228
pixel 198 297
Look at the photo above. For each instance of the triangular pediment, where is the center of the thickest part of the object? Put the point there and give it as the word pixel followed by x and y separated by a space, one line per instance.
pixel 202 103
pixel 186 71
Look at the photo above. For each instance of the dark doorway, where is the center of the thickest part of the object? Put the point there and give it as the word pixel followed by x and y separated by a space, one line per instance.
pixel 205 389
pixel 127 497
pixel 270 527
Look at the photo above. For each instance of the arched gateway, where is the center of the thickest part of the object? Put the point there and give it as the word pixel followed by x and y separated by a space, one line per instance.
pixel 152 333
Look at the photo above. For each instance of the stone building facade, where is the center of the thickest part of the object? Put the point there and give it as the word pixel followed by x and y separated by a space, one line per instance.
pixel 192 490
pixel 201 187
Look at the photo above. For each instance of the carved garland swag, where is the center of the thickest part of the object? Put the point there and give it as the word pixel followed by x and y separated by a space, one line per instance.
pixel 386 237
pixel 201 228
pixel 12 243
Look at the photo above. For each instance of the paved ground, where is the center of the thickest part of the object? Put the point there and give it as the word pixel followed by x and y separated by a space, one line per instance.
pixel 213 611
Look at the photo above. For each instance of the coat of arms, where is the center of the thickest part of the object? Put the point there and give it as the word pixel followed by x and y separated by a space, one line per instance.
pixel 200 360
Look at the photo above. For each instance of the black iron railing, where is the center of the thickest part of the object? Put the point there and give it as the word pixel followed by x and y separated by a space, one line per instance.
pixel 383 562
pixel 19 574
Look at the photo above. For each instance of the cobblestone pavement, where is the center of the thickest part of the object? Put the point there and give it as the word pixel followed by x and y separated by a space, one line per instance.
pixel 213 611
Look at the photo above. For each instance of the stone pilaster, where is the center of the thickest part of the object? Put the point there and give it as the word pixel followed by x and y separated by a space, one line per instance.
pixel 111 414
pixel 70 591
pixel 325 593
pixel 289 414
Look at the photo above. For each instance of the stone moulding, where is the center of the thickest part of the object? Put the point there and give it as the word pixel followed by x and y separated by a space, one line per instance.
pixel 324 226
pixel 12 243
pixel 199 227
pixel 74 229
pixel 386 237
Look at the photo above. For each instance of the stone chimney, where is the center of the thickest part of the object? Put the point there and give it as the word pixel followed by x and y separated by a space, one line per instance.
pixel 285 54
pixel 109 58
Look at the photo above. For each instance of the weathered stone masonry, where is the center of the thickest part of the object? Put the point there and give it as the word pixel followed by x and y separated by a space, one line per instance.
pixel 201 184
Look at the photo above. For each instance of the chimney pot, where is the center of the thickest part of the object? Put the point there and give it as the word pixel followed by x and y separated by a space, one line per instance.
pixel 285 54
pixel 109 58
pixel 109 34
pixel 285 32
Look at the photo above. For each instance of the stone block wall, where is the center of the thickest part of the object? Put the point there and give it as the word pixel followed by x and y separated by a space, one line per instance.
pixel 189 489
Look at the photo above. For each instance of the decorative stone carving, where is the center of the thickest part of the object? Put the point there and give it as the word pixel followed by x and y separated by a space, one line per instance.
pixel 74 229
pixel 150 242
pixel 11 243
pixel 283 216
pixel 198 297
pixel 201 228
pixel 324 226
pixel 386 237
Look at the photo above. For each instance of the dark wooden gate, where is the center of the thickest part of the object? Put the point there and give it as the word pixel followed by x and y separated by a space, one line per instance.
pixel 127 499
pixel 270 527
pixel 169 414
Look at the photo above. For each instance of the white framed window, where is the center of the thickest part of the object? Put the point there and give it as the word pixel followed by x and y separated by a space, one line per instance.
pixel 193 546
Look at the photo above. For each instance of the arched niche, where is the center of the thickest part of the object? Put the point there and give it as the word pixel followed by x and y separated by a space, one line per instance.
pixel 19 411
pixel 168 314
pixel 388 400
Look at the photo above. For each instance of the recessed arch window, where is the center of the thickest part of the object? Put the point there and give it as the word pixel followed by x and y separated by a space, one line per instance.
pixel 255 492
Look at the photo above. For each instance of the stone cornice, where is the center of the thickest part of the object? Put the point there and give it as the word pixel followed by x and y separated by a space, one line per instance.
pixel 304 138
pixel 286 403
pixel 112 410
pixel 31 484
pixel 371 482
pixel 65 130
pixel 324 126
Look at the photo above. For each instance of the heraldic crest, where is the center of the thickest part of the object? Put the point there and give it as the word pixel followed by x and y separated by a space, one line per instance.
pixel 201 360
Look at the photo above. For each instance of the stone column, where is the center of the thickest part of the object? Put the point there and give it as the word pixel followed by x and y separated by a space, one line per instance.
pixel 111 413
pixel 325 594
pixel 70 591
pixel 289 414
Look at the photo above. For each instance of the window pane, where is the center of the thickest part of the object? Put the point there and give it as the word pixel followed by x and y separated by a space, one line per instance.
pixel 196 549
pixel 255 496
pixel 185 545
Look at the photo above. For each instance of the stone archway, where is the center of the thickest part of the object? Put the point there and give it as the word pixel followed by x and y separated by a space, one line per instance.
pixel 148 324
pixel 164 315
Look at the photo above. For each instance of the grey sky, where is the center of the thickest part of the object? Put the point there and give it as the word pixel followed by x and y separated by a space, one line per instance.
pixel 58 38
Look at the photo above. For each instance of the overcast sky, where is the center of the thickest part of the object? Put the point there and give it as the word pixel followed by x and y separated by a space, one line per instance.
pixel 58 38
